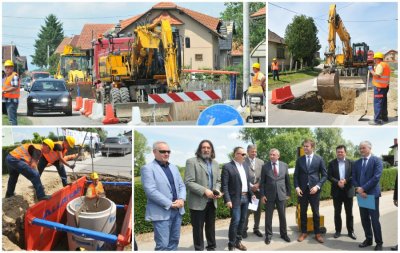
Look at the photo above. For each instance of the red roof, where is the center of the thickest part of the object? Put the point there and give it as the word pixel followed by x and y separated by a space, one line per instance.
pixel 85 38
pixel 67 41
pixel 237 50
pixel 259 13
pixel 125 23
pixel 171 18
pixel 164 5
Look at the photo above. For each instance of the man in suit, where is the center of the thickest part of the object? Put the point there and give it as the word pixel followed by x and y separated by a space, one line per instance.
pixel 366 175
pixel 342 190
pixel 237 194
pixel 203 181
pixel 309 176
pixel 275 190
pixel 253 166
pixel 395 203
pixel 166 193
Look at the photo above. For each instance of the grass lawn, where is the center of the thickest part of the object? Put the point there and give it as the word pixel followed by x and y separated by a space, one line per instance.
pixel 22 120
pixel 289 79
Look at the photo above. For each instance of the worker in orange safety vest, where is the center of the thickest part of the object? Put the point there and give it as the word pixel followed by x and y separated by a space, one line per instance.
pixel 275 69
pixel 258 77
pixel 95 189
pixel 10 92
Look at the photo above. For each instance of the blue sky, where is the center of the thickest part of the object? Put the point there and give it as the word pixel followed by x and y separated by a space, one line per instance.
pixel 23 32
pixel 380 36
pixel 183 141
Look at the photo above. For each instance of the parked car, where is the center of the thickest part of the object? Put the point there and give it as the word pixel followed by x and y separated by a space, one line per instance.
pixel 116 145
pixel 49 95
pixel 25 83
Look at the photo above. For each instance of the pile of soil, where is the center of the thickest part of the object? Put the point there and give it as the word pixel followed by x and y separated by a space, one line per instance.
pixel 343 106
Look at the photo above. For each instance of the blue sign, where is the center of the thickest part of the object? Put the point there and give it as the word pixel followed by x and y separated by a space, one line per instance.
pixel 220 115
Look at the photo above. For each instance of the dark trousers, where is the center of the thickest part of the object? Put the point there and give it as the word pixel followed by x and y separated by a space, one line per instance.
pixel 199 219
pixel 338 200
pixel 313 200
pixel 371 217
pixel 238 214
pixel 59 166
pixel 380 104
pixel 257 216
pixel 269 213
pixel 275 73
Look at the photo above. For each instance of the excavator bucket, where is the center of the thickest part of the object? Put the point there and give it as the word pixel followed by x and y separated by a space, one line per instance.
pixel 328 85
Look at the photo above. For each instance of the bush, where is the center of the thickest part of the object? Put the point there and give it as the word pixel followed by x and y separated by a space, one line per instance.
pixel 6 150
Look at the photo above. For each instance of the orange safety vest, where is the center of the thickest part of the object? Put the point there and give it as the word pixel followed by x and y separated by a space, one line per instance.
pixel 52 156
pixel 22 153
pixel 93 191
pixel 275 66
pixel 383 80
pixel 7 84
pixel 255 81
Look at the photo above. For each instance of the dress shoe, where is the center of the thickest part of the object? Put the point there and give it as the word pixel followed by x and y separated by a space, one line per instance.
pixel 352 235
pixel 258 233
pixel 244 234
pixel 240 246
pixel 45 197
pixel 319 238
pixel 394 248
pixel 302 237
pixel 365 243
pixel 267 240
pixel 285 238
pixel 336 235
pixel 378 247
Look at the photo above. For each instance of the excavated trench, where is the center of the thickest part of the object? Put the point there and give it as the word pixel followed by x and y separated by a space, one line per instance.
pixel 311 102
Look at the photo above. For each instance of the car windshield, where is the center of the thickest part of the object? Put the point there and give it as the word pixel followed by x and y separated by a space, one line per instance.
pixel 40 75
pixel 111 140
pixel 48 86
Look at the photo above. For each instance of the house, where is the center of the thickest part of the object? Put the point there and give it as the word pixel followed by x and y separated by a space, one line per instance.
pixel 395 151
pixel 227 56
pixel 72 41
pixel 259 53
pixel 200 33
pixel 391 56
pixel 278 49
pixel 237 54
pixel 10 52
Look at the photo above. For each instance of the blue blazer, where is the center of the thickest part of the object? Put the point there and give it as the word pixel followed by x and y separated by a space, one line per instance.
pixel 372 174
pixel 159 192
pixel 315 175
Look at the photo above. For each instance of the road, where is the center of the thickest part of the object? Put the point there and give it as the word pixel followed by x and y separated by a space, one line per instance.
pixel 388 219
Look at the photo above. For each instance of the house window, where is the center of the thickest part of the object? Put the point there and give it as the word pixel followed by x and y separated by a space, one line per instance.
pixel 280 53
pixel 198 57
pixel 187 42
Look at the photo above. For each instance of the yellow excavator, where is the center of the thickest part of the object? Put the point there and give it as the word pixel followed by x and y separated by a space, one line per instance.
pixel 350 65
pixel 73 67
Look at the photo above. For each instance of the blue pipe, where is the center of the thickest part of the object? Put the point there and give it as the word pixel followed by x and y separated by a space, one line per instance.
pixel 76 231
pixel 113 183
pixel 120 206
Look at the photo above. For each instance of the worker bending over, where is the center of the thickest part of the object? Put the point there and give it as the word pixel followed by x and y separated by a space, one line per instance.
pixel 95 189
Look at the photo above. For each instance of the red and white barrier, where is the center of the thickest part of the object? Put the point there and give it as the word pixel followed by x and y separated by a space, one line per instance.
pixel 188 96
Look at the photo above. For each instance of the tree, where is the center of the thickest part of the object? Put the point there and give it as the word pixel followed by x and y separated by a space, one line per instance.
pixel 327 139
pixel 50 35
pixel 52 136
pixel 301 39
pixel 140 150
pixel 54 59
pixel 234 12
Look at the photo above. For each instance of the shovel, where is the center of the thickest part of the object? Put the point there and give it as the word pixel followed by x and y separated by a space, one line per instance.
pixel 366 99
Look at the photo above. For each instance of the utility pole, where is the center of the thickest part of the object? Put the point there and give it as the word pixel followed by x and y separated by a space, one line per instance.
pixel 246 46
pixel 12 51
pixel 48 57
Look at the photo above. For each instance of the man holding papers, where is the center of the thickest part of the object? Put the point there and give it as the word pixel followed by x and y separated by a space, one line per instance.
pixel 366 175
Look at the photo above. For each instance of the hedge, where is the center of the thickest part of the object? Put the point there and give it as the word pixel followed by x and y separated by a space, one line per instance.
pixel 6 150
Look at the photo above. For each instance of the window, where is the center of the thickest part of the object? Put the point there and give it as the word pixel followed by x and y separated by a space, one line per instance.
pixel 280 53
pixel 198 57
pixel 187 42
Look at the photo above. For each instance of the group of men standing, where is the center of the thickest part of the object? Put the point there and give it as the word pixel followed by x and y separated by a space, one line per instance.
pixel 247 179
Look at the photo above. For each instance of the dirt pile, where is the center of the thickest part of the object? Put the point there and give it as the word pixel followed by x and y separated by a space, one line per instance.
pixel 343 106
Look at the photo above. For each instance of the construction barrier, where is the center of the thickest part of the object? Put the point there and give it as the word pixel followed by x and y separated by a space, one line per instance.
pixel 89 108
pixel 282 95
pixel 184 97
pixel 83 110
pixel 110 117
pixel 78 103
pixel 97 111
pixel 136 117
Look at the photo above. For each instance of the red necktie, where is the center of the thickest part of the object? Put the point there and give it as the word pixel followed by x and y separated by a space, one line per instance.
pixel 275 170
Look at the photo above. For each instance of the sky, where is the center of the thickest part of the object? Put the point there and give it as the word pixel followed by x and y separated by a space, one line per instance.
pixel 21 22
pixel 183 141
pixel 22 133
pixel 379 35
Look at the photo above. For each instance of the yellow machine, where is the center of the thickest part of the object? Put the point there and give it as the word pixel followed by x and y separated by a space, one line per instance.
pixel 73 67
pixel 347 64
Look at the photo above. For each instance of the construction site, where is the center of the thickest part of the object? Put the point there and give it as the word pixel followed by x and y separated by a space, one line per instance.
pixel 67 218
pixel 343 90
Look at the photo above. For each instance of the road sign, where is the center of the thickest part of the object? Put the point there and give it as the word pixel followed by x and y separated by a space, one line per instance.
pixel 220 115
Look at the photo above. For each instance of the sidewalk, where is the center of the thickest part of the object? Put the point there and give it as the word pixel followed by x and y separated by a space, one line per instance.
pixel 388 218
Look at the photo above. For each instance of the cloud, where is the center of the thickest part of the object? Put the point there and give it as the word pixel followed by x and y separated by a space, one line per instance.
pixel 234 136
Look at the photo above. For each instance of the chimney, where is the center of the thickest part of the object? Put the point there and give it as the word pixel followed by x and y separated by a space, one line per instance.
pixel 395 141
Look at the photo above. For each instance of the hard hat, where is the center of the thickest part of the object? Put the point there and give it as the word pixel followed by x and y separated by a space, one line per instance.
pixel 94 176
pixel 70 140
pixel 378 55
pixel 256 65
pixel 49 143
pixel 8 63
pixel 274 59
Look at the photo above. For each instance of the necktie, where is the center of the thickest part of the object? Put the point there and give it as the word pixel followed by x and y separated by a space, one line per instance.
pixel 364 163
pixel 308 161
pixel 275 170
pixel 363 166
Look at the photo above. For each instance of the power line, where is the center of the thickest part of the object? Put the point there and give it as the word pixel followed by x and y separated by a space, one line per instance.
pixel 66 18
pixel 30 28
pixel 17 36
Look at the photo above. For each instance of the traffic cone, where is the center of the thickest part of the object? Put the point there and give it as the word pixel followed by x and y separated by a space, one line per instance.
pixel 85 106
pixel 78 103
pixel 90 108
pixel 110 118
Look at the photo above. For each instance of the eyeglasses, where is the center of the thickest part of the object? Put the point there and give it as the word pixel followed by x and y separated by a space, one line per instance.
pixel 164 151
pixel 243 154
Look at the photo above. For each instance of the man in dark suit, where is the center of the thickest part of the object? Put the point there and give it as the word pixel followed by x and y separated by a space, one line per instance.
pixel 342 190
pixel 366 175
pixel 275 190
pixel 309 176
pixel 253 166
pixel 395 203
pixel 237 194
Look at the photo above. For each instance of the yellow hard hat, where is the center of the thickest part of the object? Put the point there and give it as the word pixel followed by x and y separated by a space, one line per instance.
pixel 94 176
pixel 378 55
pixel 49 143
pixel 70 140
pixel 274 59
pixel 256 65
pixel 8 63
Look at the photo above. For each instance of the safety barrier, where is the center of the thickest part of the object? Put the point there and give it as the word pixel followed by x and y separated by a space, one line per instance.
pixel 97 111
pixel 184 96
pixel 110 117
pixel 78 103
pixel 282 95
pixel 89 107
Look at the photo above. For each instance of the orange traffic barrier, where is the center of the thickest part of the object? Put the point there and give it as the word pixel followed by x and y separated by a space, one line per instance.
pixel 90 108
pixel 85 106
pixel 110 118
pixel 78 103
pixel 282 95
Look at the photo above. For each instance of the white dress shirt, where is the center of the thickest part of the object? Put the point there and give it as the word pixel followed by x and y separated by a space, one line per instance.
pixel 243 176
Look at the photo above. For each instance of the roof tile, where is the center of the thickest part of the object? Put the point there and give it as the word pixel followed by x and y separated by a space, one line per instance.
pixel 85 38
pixel 259 13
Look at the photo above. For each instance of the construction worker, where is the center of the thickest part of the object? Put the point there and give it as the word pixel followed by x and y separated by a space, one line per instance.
pixel 11 92
pixel 56 157
pixel 380 80
pixel 95 189
pixel 360 54
pixel 275 69
pixel 74 65
pixel 258 77
pixel 23 160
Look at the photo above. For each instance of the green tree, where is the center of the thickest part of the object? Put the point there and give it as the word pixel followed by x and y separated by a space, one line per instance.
pixel 141 149
pixel 54 59
pixel 52 136
pixel 234 12
pixel 327 140
pixel 301 39
pixel 50 36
